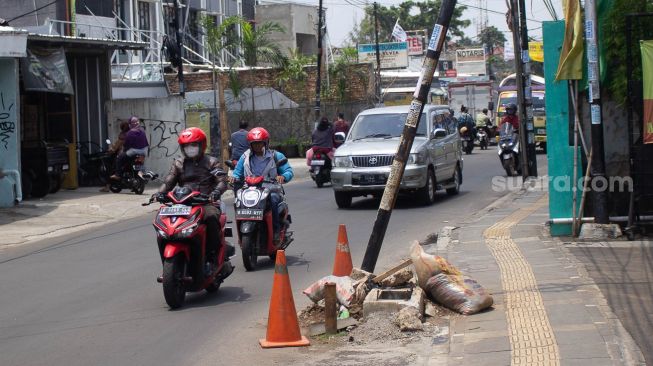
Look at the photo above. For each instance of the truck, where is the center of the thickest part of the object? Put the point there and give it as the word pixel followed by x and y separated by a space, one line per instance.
pixel 475 95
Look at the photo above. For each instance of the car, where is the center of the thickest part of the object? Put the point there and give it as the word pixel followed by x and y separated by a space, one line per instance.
pixel 362 164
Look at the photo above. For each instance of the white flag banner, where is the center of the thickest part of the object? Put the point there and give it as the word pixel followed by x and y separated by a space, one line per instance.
pixel 508 51
pixel 398 33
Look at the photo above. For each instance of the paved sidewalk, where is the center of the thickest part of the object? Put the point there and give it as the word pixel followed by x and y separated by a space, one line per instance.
pixel 547 310
pixel 70 211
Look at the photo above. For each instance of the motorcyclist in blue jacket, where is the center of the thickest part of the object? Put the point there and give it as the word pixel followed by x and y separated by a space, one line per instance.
pixel 259 160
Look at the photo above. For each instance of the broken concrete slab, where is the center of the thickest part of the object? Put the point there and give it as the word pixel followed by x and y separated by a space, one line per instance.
pixel 592 231
pixel 320 328
pixel 393 300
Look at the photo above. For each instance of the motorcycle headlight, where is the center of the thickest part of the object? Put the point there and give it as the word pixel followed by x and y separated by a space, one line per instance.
pixel 342 162
pixel 185 233
pixel 416 159
pixel 162 233
pixel 250 197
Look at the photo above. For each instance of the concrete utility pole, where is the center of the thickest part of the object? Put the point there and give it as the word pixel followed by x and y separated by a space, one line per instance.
pixel 180 72
pixel 528 93
pixel 599 197
pixel 519 72
pixel 408 135
pixel 318 82
pixel 378 54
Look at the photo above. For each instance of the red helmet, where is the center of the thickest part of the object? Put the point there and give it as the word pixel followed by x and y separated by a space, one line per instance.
pixel 258 134
pixel 193 134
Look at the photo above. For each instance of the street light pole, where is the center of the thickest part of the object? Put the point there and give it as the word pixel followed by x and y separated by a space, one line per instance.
pixel 378 55
pixel 528 93
pixel 180 72
pixel 318 82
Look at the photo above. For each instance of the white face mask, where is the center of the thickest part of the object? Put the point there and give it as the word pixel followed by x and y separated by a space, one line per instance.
pixel 192 151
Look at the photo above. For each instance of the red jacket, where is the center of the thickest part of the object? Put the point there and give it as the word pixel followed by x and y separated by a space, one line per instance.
pixel 512 119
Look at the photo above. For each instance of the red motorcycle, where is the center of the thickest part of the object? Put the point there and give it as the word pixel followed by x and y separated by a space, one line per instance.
pixel 181 237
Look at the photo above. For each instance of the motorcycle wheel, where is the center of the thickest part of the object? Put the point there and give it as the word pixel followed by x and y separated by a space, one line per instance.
pixel 115 187
pixel 40 186
pixel 250 257
pixel 173 286
pixel 55 183
pixel 139 186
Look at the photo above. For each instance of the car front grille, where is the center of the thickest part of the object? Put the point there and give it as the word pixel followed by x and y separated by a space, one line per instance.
pixel 372 160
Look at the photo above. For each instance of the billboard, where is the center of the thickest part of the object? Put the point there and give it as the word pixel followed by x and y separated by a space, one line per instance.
pixel 393 55
pixel 415 45
pixel 470 61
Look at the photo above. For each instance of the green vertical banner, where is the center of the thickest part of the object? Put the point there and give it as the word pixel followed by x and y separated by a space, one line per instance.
pixel 647 80
pixel 201 120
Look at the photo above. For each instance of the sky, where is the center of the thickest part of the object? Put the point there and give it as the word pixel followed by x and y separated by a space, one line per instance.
pixel 341 16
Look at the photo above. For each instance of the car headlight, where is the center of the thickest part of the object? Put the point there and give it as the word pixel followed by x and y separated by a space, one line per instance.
pixel 342 162
pixel 417 159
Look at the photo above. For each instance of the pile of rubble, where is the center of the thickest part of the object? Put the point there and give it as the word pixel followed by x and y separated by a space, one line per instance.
pixel 408 293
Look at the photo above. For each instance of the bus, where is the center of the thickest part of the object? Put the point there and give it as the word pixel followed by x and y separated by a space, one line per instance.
pixel 508 94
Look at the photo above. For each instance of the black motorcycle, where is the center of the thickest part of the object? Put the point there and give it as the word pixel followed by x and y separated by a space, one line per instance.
pixel 321 166
pixel 133 176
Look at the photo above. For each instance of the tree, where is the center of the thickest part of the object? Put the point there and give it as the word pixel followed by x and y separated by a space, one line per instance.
pixel 492 38
pixel 423 18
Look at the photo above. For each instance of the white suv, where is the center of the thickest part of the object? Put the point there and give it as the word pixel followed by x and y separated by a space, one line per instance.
pixel 362 164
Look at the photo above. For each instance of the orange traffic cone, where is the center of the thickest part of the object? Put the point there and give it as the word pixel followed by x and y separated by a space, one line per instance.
pixel 342 266
pixel 283 326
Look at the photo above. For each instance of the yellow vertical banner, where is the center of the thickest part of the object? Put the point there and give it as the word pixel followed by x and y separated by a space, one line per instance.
pixel 536 51
pixel 647 82
pixel 201 120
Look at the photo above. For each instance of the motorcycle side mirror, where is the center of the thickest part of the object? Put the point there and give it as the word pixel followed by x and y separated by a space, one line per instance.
pixel 339 137
pixel 217 172
pixel 439 133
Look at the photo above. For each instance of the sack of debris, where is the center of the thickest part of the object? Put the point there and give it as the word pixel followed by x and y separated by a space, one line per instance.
pixel 458 293
pixel 344 289
pixel 428 265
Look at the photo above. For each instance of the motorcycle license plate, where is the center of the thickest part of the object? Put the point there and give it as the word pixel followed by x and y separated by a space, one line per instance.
pixel 507 156
pixel 175 210
pixel 248 213
pixel 317 162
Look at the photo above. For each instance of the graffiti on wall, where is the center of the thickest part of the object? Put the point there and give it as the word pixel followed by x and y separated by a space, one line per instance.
pixel 163 138
pixel 7 126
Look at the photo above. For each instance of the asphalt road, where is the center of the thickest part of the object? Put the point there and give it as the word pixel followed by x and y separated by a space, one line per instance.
pixel 92 298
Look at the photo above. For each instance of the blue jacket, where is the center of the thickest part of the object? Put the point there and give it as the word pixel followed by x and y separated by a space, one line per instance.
pixel 285 169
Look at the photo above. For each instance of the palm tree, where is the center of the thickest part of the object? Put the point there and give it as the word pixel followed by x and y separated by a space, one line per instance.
pixel 256 46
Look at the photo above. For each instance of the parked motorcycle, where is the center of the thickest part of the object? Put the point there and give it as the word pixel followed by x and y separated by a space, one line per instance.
pixel 181 237
pixel 133 177
pixel 467 140
pixel 321 166
pixel 254 220
pixel 508 149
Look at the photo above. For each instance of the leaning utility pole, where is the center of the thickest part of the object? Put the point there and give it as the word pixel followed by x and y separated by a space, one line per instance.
pixel 180 72
pixel 528 93
pixel 519 72
pixel 600 196
pixel 408 135
pixel 318 82
pixel 377 89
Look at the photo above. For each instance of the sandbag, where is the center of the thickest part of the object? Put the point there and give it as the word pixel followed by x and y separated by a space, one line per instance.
pixel 458 293
pixel 344 289
pixel 427 265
